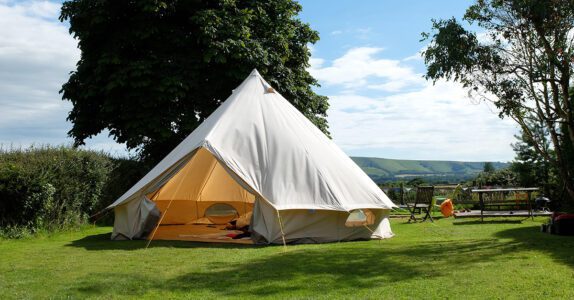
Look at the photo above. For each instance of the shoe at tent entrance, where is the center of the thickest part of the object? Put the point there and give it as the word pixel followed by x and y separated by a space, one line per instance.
pixel 255 171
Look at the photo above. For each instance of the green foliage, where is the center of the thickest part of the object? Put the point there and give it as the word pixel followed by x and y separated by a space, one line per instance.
pixel 53 188
pixel 499 178
pixel 444 60
pixel 488 167
pixel 394 195
pixel 416 182
pixel 125 173
pixel 522 63
pixel 152 71
pixel 533 169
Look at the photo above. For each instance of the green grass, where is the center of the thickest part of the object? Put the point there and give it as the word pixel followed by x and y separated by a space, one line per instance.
pixel 445 259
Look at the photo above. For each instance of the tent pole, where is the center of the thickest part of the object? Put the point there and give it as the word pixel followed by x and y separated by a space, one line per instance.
pixel 282 232
pixel 158 223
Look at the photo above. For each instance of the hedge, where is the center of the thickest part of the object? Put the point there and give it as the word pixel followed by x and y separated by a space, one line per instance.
pixel 54 188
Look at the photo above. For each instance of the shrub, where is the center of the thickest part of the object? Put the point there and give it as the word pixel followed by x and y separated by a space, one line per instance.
pixel 51 187
pixel 125 173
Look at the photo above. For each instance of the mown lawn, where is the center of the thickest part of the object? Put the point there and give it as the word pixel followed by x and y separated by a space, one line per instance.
pixel 446 259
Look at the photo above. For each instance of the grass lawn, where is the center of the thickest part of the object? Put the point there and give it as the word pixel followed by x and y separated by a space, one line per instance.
pixel 446 259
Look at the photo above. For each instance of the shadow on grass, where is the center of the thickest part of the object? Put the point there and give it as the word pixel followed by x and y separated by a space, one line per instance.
pixel 560 248
pixel 103 242
pixel 479 222
pixel 304 270
pixel 420 218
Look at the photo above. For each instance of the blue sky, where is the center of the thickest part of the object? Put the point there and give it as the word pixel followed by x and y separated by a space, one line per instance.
pixel 395 25
pixel 367 62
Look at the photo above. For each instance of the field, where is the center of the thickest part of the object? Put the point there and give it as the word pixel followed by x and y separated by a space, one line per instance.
pixel 446 259
pixel 384 169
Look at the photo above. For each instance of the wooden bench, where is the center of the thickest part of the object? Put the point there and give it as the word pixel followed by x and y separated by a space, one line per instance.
pixel 518 206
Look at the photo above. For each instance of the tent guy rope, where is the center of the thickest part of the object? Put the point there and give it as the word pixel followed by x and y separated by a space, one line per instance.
pixel 281 227
pixel 158 223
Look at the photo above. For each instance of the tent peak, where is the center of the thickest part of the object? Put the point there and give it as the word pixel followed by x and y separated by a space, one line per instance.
pixel 267 87
pixel 255 73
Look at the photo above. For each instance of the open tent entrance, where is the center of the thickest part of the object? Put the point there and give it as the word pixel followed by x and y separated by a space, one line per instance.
pixel 199 201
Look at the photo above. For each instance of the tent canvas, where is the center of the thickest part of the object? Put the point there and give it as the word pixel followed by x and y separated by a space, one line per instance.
pixel 258 154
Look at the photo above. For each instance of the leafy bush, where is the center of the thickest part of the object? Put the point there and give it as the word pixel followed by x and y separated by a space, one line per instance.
pixel 52 188
pixel 501 178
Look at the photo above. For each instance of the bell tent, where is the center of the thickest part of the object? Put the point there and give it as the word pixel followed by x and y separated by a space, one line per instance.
pixel 255 171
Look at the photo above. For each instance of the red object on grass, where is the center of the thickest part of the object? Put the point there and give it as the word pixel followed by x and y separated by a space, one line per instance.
pixel 563 217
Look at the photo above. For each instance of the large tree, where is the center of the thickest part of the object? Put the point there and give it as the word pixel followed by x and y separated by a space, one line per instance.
pixel 531 168
pixel 151 71
pixel 522 61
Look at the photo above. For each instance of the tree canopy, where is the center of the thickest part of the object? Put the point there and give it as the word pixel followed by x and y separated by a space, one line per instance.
pixel 522 61
pixel 151 71
pixel 488 167
pixel 531 168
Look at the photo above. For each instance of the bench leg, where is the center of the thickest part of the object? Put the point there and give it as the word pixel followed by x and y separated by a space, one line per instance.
pixel 480 200
pixel 412 217
pixel 412 210
pixel 428 216
pixel 529 205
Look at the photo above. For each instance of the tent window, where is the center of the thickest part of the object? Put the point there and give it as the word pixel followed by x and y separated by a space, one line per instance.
pixel 360 217
pixel 221 213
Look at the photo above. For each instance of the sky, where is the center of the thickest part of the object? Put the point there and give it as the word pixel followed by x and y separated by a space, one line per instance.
pixel 367 62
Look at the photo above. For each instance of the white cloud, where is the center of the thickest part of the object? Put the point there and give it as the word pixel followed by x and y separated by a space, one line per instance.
pixel 316 62
pixel 36 55
pixel 417 120
pixel 417 56
pixel 37 9
pixel 362 33
pixel 35 58
pixel 359 66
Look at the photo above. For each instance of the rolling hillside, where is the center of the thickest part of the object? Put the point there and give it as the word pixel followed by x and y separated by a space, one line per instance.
pixel 383 169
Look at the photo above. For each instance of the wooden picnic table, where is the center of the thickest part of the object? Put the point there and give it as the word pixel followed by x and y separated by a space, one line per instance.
pixel 504 202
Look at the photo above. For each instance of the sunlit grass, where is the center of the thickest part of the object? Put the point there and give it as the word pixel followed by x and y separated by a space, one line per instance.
pixel 445 259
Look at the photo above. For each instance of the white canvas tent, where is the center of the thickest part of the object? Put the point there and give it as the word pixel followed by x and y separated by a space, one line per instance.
pixel 259 155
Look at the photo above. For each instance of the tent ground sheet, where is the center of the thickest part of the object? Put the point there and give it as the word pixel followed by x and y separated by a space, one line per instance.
pixel 199 233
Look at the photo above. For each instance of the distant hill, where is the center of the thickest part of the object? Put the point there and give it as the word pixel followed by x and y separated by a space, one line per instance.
pixel 383 169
